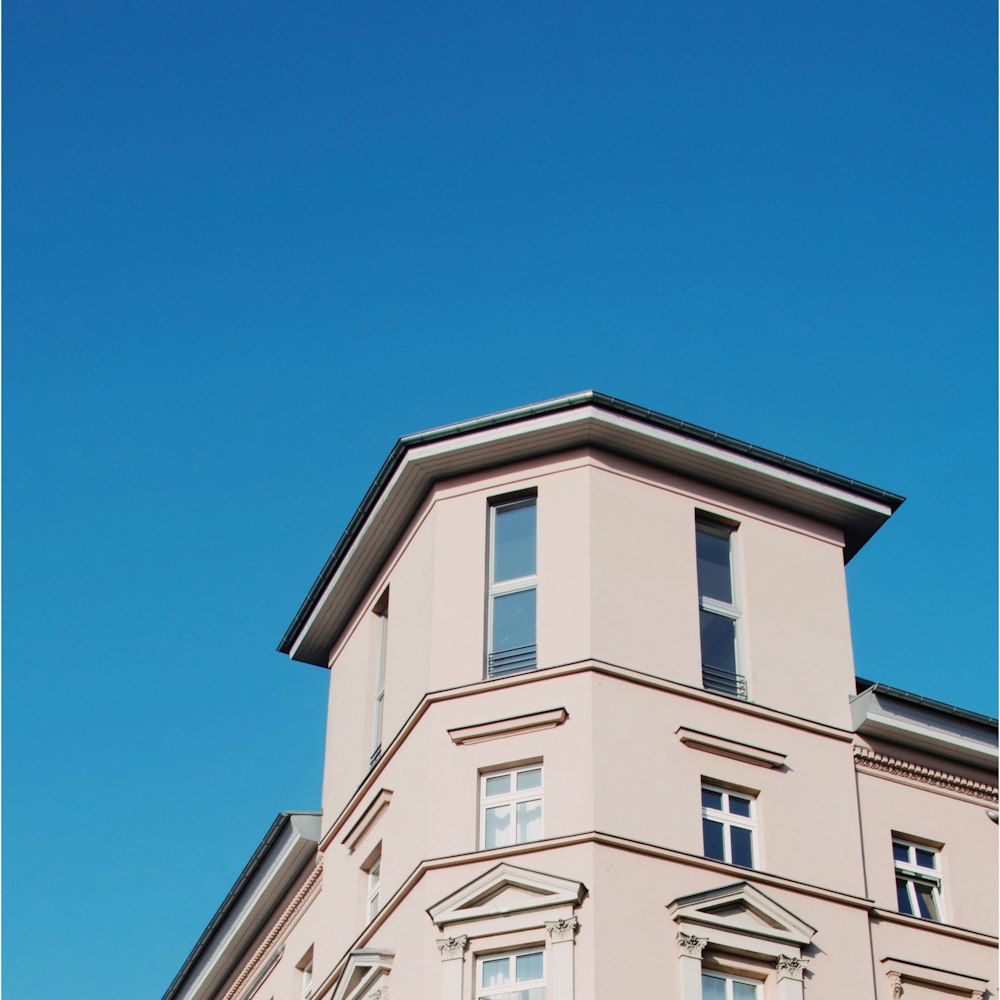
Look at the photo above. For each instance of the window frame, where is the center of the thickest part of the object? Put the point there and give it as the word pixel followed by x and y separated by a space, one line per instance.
pixel 728 820
pixel 729 979
pixel 490 992
pixel 732 610
pixel 528 659
pixel 381 612
pixel 511 799
pixel 373 889
pixel 914 874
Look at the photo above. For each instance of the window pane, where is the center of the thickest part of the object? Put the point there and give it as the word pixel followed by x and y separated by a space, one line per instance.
pixel 712 833
pixel 528 967
pixel 496 972
pixel 514 543
pixel 537 993
pixel 710 799
pixel 742 846
pixel 498 826
pixel 498 784
pixel 713 988
pixel 744 991
pixel 739 806
pixel 513 620
pixel 714 578
pixel 903 897
pixel 718 642
pixel 900 852
pixel 529 779
pixel 529 821
pixel 925 858
pixel 925 901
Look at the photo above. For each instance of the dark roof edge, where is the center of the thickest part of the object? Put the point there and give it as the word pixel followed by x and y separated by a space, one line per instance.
pixel 229 903
pixel 918 699
pixel 506 417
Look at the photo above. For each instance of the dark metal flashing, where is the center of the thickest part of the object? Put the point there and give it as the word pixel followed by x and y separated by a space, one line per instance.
pixel 280 822
pixel 863 686
pixel 574 401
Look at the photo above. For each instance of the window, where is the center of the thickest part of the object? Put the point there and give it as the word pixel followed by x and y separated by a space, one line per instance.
pixel 374 886
pixel 381 612
pixel 513 585
pixel 516 976
pixel 307 979
pixel 717 610
pixel 918 879
pixel 728 826
pixel 510 807
pixel 715 986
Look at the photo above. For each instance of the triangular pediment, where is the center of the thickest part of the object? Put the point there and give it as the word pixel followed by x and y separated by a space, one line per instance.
pixel 742 909
pixel 362 974
pixel 506 889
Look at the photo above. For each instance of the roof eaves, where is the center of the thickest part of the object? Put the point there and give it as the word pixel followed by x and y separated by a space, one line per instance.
pixel 864 686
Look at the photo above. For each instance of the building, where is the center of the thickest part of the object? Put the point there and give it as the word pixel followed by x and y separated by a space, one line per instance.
pixel 594 732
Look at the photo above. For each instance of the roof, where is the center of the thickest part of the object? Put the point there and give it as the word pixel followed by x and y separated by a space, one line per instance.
pixel 587 418
pixel 864 685
pixel 278 859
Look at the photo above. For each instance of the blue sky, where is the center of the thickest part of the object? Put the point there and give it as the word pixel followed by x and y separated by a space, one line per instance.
pixel 247 246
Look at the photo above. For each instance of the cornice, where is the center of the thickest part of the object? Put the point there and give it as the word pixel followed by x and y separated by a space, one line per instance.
pixel 287 916
pixel 866 759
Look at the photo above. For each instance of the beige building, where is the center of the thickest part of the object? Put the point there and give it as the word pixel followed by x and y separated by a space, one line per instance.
pixel 594 732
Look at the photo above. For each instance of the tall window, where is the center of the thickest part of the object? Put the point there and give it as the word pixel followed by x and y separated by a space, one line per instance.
pixel 513 584
pixel 381 612
pixel 716 986
pixel 510 807
pixel 918 879
pixel 519 975
pixel 728 826
pixel 717 610
pixel 374 888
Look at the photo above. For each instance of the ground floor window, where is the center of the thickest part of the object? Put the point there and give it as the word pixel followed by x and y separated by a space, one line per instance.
pixel 715 986
pixel 517 975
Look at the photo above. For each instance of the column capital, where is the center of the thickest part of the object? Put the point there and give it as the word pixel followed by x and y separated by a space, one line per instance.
pixel 452 947
pixel 791 967
pixel 562 930
pixel 896 982
pixel 691 946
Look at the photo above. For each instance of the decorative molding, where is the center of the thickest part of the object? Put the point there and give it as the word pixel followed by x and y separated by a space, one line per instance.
pixel 870 760
pixel 280 924
pixel 791 967
pixel 896 984
pixel 514 726
pixel 900 972
pixel 724 747
pixel 562 930
pixel 452 947
pixel 372 812
pixel 691 946
pixel 380 994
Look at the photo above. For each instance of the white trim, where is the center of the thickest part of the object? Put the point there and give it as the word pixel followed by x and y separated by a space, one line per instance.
pixel 381 640
pixel 483 992
pixel 511 800
pixel 517 585
pixel 728 820
pixel 914 874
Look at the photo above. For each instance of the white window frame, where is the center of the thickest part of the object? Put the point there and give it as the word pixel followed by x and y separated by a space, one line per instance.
pixel 307 978
pixel 374 883
pixel 912 873
pixel 515 586
pixel 489 992
pixel 722 609
pixel 381 645
pixel 511 798
pixel 729 820
pixel 730 979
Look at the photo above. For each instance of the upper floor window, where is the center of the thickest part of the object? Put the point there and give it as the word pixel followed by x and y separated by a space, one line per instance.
pixel 515 976
pixel 381 613
pixel 918 879
pixel 716 986
pixel 374 888
pixel 307 980
pixel 510 806
pixel 728 826
pixel 513 585
pixel 718 610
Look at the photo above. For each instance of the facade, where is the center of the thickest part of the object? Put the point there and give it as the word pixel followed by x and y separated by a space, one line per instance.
pixel 594 731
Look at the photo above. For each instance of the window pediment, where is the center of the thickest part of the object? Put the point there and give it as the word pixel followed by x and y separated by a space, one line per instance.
pixel 731 912
pixel 506 889
pixel 364 974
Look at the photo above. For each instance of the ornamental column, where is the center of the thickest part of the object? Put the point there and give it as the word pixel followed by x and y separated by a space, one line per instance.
pixel 559 975
pixel 691 949
pixel 790 969
pixel 452 963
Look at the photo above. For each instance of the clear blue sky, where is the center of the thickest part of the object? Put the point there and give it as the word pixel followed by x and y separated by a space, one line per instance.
pixel 248 245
